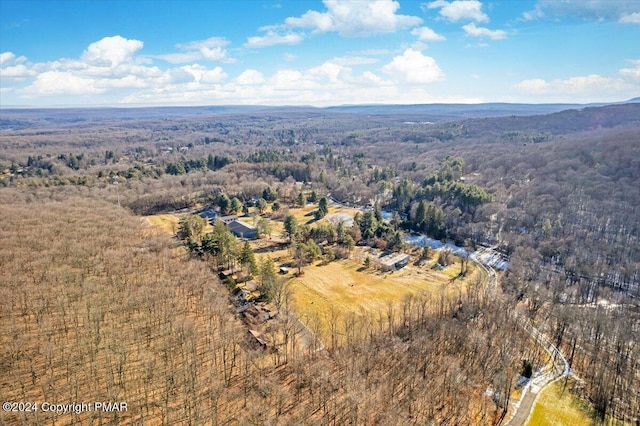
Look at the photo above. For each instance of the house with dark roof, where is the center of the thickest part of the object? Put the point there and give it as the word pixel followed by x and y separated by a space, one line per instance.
pixel 242 230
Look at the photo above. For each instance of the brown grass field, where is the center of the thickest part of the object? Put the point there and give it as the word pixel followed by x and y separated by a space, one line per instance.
pixel 345 287
pixel 558 407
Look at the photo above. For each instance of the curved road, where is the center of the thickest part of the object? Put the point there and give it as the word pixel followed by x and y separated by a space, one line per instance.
pixel 560 367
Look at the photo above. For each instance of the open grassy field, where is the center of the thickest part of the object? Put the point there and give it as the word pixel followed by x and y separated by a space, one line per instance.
pixel 556 407
pixel 304 215
pixel 343 287
pixel 167 223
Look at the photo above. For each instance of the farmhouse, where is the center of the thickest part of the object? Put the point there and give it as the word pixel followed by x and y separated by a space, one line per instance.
pixel 394 261
pixel 242 230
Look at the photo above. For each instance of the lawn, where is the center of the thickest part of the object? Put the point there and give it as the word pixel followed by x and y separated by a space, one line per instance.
pixel 556 407
pixel 343 287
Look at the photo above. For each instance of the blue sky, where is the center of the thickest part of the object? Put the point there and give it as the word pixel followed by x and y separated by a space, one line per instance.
pixel 331 52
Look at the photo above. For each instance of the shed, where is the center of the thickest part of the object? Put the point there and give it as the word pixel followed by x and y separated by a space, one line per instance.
pixel 394 261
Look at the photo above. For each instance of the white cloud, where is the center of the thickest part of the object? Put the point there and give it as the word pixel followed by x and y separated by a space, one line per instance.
pixel 632 73
pixel 9 58
pixel 460 10
pixel 272 38
pixel 474 31
pixel 288 57
pixel 13 68
pixel 355 18
pixel 211 49
pixel 286 79
pixel 57 82
pixel 354 60
pixel 250 77
pixel 573 85
pixel 427 34
pixel 534 86
pixel 204 75
pixel 587 88
pixel 112 66
pixel 211 42
pixel 114 71
pixel 414 67
pixel 532 15
pixel 630 18
pixel 18 71
pixel 111 51
pixel 593 10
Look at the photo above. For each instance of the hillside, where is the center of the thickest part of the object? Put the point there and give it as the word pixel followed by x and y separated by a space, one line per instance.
pixel 556 194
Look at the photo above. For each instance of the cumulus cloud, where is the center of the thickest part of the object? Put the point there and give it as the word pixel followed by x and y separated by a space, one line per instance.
pixel 59 82
pixel 592 10
pixel 272 38
pixel 250 77
pixel 115 71
pixel 9 58
pixel 427 34
pixel 632 73
pixel 114 65
pixel 474 31
pixel 211 49
pixel 355 18
pixel 630 18
pixel 14 68
pixel 414 67
pixel 571 85
pixel 111 51
pixel 460 10
pixel 204 75
pixel 586 88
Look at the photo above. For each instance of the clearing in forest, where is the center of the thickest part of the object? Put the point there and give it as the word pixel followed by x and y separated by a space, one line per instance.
pixel 559 407
pixel 343 287
pixel 167 223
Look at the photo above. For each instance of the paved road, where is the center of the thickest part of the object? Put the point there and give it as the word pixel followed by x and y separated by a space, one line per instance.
pixel 560 368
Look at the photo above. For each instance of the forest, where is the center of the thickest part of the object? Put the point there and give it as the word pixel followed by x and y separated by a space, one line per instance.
pixel 101 303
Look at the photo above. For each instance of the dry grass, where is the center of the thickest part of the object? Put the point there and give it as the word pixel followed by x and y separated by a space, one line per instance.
pixel 556 407
pixel 304 216
pixel 167 223
pixel 345 287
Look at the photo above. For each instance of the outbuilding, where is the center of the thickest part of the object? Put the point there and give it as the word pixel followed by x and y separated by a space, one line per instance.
pixel 394 261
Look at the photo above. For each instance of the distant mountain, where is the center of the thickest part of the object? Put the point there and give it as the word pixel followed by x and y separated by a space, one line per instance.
pixel 27 118
pixel 563 122
pixel 440 112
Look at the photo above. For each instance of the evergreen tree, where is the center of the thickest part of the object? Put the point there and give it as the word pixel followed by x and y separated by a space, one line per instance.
pixel 302 199
pixel 291 227
pixel 247 258
pixel 323 208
